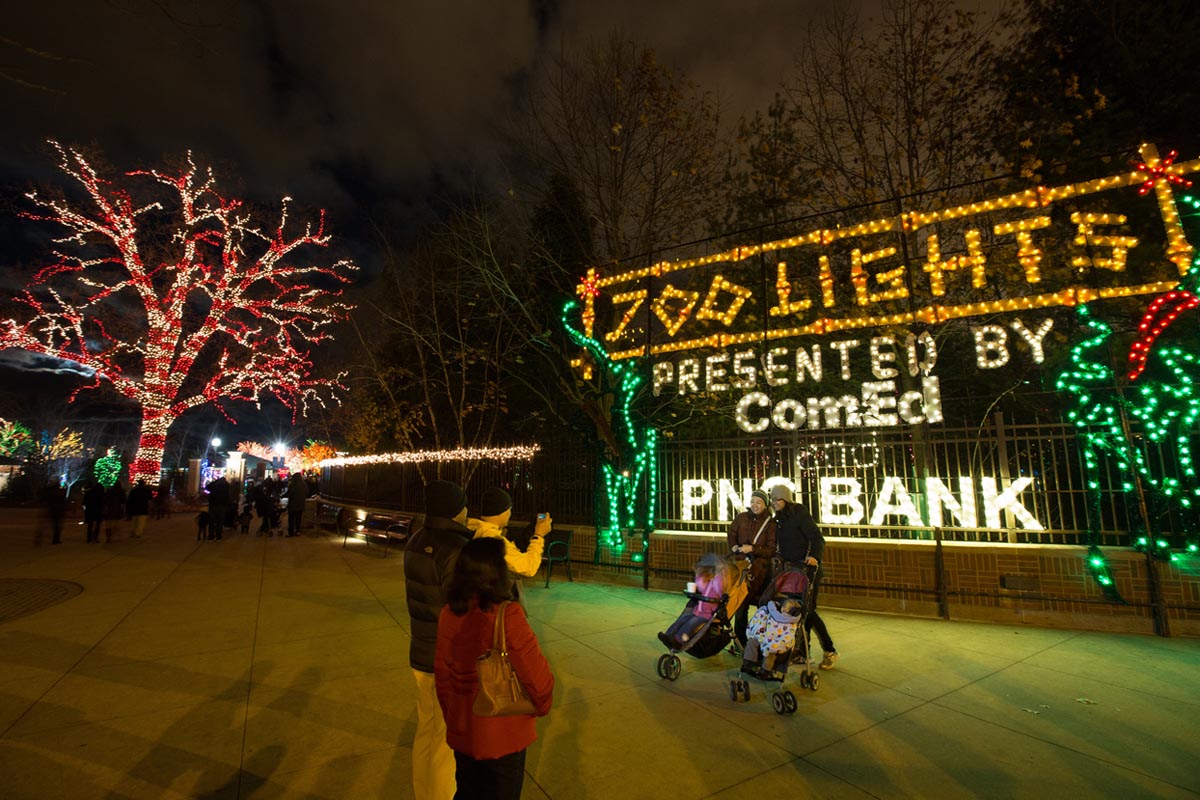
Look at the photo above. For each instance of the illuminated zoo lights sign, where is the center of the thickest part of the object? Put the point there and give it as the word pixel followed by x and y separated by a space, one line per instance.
pixel 877 403
pixel 848 278
pixel 968 503
pixel 832 285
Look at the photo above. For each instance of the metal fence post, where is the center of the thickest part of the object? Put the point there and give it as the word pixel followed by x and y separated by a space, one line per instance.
pixel 939 575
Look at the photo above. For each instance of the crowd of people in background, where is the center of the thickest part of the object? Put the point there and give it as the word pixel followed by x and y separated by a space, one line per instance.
pixel 234 507
pixel 119 514
pixel 104 510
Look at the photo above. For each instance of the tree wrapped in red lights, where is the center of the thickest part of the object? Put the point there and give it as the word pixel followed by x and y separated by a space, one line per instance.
pixel 172 293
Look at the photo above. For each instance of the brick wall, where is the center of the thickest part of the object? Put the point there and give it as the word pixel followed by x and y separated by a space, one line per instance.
pixel 1046 585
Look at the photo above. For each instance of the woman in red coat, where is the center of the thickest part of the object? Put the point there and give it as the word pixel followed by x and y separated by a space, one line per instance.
pixel 489 752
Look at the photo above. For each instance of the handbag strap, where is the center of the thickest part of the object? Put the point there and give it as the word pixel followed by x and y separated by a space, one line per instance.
pixel 760 530
pixel 499 641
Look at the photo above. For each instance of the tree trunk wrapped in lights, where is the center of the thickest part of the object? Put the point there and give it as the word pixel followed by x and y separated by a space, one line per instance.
pixel 217 309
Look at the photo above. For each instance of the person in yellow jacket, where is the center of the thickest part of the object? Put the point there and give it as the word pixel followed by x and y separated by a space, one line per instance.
pixel 495 509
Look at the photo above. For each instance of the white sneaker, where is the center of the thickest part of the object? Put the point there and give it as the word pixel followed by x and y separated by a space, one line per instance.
pixel 827 661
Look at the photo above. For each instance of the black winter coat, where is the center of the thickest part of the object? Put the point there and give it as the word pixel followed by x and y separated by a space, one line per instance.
pixel 93 502
pixel 218 495
pixel 798 535
pixel 428 566
pixel 138 502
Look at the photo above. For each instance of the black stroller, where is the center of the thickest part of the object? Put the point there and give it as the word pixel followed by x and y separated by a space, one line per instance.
pixel 776 637
pixel 701 637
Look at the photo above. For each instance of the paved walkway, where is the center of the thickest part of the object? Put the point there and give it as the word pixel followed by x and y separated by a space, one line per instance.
pixel 278 668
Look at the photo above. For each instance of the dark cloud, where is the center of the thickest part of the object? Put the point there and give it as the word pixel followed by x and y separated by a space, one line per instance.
pixel 283 90
pixel 287 93
pixel 371 108
pixel 26 361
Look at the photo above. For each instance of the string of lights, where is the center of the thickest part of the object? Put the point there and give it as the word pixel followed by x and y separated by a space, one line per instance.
pixel 675 307
pixel 511 453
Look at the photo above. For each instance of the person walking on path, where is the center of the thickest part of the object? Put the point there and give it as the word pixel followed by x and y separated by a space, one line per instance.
pixel 218 507
pixel 802 545
pixel 428 568
pixel 297 493
pixel 137 507
pixel 93 510
pixel 54 498
pixel 264 506
pixel 495 511
pixel 751 539
pixel 162 499
pixel 114 510
pixel 489 752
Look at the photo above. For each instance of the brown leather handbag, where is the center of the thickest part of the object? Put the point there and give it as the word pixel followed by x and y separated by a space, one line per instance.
pixel 758 570
pixel 500 691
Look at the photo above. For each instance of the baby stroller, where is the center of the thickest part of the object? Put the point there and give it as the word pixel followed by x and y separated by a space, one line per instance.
pixel 698 636
pixel 775 636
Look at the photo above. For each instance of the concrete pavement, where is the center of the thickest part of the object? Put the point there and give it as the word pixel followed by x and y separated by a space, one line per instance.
pixel 278 668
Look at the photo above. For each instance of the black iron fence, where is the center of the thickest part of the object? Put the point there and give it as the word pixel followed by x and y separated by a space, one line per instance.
pixel 999 482
pixel 559 479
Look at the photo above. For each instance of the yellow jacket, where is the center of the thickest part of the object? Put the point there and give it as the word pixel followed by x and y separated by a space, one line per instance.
pixel 522 563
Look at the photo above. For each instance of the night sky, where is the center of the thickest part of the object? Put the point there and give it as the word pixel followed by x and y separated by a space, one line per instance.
pixel 378 110
pixel 368 107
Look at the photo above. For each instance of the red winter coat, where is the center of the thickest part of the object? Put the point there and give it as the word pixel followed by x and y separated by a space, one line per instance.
pixel 460 640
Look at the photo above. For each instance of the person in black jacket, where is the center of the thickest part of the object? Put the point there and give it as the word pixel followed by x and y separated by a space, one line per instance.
pixel 137 507
pixel 802 545
pixel 297 493
pixel 93 510
pixel 218 507
pixel 428 568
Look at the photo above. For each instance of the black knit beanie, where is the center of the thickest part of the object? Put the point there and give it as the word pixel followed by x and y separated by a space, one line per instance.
pixel 494 503
pixel 444 499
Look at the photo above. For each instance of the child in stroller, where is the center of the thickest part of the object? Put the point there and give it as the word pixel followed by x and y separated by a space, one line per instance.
pixel 702 628
pixel 774 635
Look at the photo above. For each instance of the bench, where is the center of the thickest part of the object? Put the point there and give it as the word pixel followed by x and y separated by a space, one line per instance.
pixel 557 551
pixel 375 527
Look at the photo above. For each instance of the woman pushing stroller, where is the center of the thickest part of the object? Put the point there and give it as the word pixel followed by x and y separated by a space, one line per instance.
pixel 751 539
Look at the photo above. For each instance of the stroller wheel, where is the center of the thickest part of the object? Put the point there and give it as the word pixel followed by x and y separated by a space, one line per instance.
pixel 746 691
pixel 814 681
pixel 673 667
pixel 662 665
pixel 733 691
pixel 777 702
pixel 803 680
pixel 789 702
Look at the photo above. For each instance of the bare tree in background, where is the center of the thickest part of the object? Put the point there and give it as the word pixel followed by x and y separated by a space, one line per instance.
pixel 895 106
pixel 435 378
pixel 628 156
pixel 639 142
pixel 880 117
